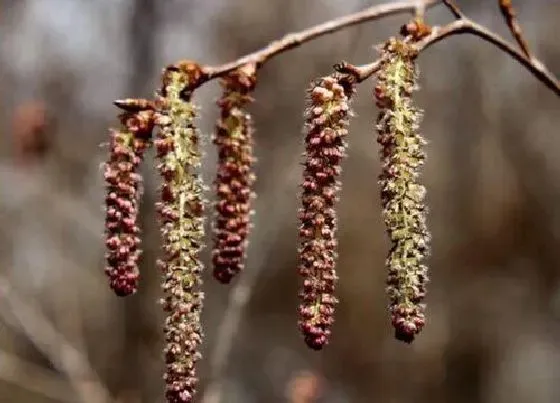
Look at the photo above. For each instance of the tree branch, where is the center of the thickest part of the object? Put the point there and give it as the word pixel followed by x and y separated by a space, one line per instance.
pixel 420 9
pixel 293 40
pixel 361 73
pixel 461 25
pixel 464 25
pixel 511 20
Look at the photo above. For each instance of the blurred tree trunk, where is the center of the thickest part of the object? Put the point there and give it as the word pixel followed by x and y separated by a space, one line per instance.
pixel 141 330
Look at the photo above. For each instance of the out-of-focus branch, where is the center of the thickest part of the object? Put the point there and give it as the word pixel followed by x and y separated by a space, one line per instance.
pixel 227 330
pixel 511 20
pixel 239 297
pixel 52 344
pixel 145 19
pixel 34 378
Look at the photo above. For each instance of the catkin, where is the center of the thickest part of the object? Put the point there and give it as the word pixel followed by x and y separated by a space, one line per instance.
pixel 181 210
pixel 325 146
pixel 235 177
pixel 402 196
pixel 123 186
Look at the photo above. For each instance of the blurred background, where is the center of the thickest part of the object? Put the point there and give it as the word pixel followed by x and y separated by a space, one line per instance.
pixel 492 175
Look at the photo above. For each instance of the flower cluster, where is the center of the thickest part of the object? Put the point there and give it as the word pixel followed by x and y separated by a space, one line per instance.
pixel 182 227
pixel 234 175
pixel 403 198
pixel 325 146
pixel 127 146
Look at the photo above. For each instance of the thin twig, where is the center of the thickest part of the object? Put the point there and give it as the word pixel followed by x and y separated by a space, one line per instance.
pixel 227 331
pixel 367 70
pixel 454 9
pixel 54 345
pixel 420 10
pixel 239 297
pixel 293 40
pixel 359 73
pixel 511 20
pixel 464 25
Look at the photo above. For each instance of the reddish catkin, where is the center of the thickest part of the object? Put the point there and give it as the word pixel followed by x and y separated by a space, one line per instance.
pixel 127 146
pixel 402 196
pixel 234 180
pixel 182 227
pixel 325 146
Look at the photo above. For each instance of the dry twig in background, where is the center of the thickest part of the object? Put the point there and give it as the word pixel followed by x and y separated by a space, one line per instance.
pixel 52 344
pixel 45 382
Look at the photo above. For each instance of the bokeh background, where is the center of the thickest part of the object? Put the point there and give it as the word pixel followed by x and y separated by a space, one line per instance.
pixel 492 174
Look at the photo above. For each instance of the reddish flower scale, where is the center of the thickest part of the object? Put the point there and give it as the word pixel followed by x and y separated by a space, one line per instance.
pixel 326 126
pixel 123 182
pixel 234 178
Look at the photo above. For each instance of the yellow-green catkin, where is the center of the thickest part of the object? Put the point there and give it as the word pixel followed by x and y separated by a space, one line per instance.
pixel 402 196
pixel 182 226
